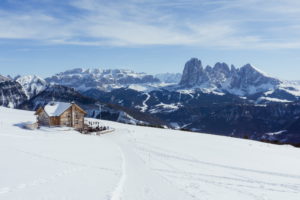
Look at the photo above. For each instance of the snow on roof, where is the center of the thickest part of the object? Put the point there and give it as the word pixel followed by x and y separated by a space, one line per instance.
pixel 56 108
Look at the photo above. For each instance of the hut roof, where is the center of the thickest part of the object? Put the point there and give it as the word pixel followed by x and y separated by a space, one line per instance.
pixel 54 109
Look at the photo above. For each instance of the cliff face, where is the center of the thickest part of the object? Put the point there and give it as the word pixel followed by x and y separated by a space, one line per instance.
pixel 193 73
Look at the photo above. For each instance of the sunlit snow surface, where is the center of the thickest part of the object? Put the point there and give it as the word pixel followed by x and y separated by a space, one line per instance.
pixel 137 163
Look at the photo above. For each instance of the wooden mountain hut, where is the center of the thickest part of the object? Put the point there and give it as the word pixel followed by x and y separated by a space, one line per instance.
pixel 61 114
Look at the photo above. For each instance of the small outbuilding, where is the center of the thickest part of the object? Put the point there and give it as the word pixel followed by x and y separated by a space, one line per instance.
pixel 61 114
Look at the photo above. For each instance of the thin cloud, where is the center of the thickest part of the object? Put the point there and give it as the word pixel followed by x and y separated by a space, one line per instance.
pixel 218 24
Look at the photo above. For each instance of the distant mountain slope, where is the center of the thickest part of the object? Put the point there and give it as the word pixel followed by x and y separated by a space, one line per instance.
pixel 246 81
pixel 83 79
pixel 206 112
pixel 3 78
pixel 169 77
pixel 32 84
pixel 108 111
pixel 12 94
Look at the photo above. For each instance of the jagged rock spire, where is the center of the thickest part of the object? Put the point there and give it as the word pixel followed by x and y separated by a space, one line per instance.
pixel 192 73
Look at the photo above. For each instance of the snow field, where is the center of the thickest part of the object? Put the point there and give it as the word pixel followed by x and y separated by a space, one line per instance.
pixel 54 164
pixel 140 163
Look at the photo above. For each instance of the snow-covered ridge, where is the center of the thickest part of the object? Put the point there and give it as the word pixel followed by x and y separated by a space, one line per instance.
pixel 32 84
pixel 220 79
pixel 105 79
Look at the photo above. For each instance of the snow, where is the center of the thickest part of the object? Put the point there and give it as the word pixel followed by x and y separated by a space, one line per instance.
pixel 32 84
pixel 292 87
pixel 272 99
pixel 10 105
pixel 3 78
pixel 276 133
pixel 186 91
pixel 140 163
pixel 104 79
pixel 175 125
pixel 126 118
pixel 258 70
pixel 147 87
pixel 169 77
pixel 137 87
pixel 56 108
pixel 145 106
pixel 162 107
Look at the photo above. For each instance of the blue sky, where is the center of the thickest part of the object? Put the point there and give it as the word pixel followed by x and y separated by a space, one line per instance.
pixel 47 36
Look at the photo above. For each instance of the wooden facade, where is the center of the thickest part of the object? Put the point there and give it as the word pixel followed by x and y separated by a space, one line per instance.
pixel 73 116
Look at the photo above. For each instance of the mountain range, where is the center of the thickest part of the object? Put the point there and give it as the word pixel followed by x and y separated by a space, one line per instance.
pixel 84 79
pixel 240 102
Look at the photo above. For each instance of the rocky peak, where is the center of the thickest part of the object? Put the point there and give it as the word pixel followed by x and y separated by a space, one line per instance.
pixel 233 69
pixel 220 73
pixel 254 76
pixel 221 67
pixel 192 73
pixel 208 69
pixel 249 69
pixel 246 80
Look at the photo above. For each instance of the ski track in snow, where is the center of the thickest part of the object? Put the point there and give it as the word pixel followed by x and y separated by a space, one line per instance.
pixel 133 184
pixel 118 192
pixel 145 106
pixel 174 155
pixel 230 183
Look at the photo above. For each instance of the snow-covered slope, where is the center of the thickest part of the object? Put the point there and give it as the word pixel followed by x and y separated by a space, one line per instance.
pixel 106 79
pixel 140 163
pixel 32 84
pixel 54 163
pixel 292 87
